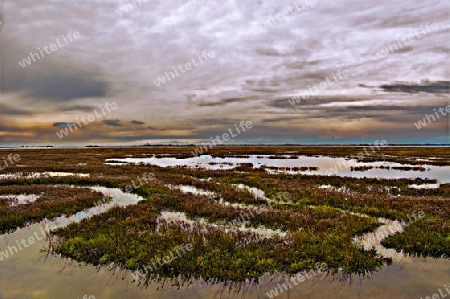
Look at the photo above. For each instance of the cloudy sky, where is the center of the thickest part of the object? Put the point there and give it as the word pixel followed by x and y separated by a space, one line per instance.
pixel 262 58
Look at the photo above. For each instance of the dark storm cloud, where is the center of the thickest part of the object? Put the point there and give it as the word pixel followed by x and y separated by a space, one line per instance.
pixel 251 77
pixel 226 101
pixel 156 129
pixel 265 90
pixel 312 101
pixel 379 108
pixel 10 129
pixel 430 87
pixel 405 50
pixel 113 122
pixel 63 124
pixel 284 103
pixel 137 122
pixel 7 110
pixel 57 85
pixel 50 78
pixel 406 109
pixel 279 119
pixel 383 114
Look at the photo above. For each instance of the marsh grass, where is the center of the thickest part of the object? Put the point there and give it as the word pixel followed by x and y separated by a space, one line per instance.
pixel 52 202
pixel 316 220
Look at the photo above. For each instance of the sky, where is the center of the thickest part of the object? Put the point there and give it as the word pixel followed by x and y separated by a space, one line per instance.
pixel 240 61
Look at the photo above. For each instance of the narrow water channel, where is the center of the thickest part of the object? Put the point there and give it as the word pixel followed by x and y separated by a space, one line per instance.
pixel 32 273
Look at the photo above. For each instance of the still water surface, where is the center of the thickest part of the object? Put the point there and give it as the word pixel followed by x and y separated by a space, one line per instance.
pixel 338 166
pixel 32 273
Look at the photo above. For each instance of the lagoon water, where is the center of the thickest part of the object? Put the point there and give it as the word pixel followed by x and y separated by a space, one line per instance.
pixel 33 273
pixel 325 164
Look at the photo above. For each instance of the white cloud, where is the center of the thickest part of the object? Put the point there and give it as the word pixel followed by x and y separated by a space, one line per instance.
pixel 132 50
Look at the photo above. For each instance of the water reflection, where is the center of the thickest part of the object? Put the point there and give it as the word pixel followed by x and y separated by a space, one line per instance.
pixel 33 273
pixel 325 165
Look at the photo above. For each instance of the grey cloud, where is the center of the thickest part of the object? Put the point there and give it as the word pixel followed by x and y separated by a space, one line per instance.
pixel 428 87
pixel 226 101
pixel 405 50
pixel 48 79
pixel 155 129
pixel 8 110
pixel 10 129
pixel 301 64
pixel 251 76
pixel 78 108
pixel 284 103
pixel 112 122
pixel 278 119
pixel 58 84
pixel 137 122
pixel 63 124
pixel 313 101
pixel 269 52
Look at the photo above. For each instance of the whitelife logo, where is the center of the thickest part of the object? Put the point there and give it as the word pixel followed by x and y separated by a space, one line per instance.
pixel 321 86
pixel 12 160
pixel 395 47
pixel 53 47
pixel 188 66
pixel 181 249
pixel 430 117
pixel 31 240
pixel 130 6
pixel 264 25
pixel 440 295
pixel 204 148
pixel 64 132
pixel 347 164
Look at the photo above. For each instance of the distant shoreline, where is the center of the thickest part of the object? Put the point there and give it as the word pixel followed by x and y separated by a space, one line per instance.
pixel 224 145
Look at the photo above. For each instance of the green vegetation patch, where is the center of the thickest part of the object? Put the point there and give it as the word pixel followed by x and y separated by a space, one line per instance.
pixel 52 202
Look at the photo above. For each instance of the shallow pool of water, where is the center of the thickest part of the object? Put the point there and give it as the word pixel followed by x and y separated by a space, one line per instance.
pixel 35 175
pixel 326 165
pixel 32 273
pixel 22 199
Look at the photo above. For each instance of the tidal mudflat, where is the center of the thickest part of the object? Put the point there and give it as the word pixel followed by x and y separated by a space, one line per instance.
pixel 145 222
